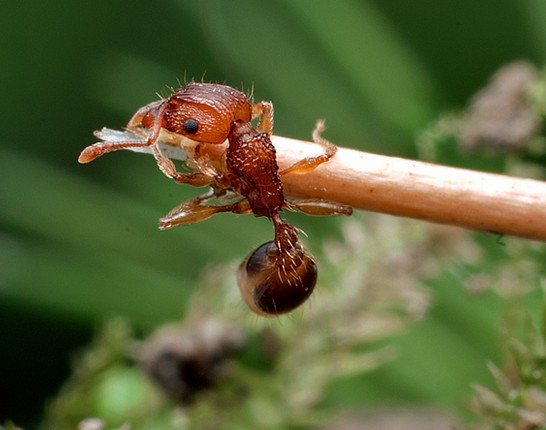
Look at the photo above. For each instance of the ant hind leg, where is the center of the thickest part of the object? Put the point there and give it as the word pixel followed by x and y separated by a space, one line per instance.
pixel 320 207
pixel 309 164
pixel 196 210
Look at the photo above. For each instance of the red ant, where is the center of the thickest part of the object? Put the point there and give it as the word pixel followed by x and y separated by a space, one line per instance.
pixel 279 275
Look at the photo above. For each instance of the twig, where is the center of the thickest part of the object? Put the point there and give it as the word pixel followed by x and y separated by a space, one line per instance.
pixel 446 195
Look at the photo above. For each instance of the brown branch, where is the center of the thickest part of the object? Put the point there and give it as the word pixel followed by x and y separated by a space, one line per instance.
pixel 446 195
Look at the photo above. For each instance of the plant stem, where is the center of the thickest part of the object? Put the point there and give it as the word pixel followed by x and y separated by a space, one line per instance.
pixel 446 195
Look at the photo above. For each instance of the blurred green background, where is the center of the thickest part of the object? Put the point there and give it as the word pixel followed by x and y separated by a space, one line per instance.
pixel 79 244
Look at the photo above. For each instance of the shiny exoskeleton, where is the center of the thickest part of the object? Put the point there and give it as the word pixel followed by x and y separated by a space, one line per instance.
pixel 279 275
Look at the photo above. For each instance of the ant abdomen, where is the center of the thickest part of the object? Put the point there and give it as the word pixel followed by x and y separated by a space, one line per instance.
pixel 272 284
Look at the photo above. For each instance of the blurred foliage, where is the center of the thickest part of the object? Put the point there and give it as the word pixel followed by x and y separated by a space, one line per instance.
pixel 79 244
pixel 518 400
pixel 373 287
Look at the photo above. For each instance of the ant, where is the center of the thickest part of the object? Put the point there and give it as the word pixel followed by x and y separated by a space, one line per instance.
pixel 279 275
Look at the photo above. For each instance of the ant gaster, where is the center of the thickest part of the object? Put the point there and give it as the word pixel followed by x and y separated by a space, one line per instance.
pixel 279 275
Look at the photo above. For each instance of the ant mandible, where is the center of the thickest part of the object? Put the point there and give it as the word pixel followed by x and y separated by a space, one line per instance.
pixel 279 275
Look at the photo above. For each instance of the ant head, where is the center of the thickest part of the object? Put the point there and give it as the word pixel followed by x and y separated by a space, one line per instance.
pixel 205 112
pixel 272 284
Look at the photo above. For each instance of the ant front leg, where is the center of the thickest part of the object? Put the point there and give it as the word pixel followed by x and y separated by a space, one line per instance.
pixel 101 148
pixel 197 179
pixel 196 210
pixel 309 164
pixel 124 141
pixel 165 164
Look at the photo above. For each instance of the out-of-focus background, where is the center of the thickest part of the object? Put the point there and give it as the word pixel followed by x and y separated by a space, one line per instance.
pixel 79 243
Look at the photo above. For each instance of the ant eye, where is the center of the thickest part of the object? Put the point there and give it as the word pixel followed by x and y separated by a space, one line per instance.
pixel 190 126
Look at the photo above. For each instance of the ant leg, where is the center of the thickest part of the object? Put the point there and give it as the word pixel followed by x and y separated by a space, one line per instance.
pixel 165 164
pixel 317 207
pixel 100 148
pixel 195 210
pixel 265 110
pixel 203 162
pixel 310 163
pixel 139 115
pixel 320 207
